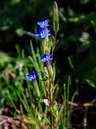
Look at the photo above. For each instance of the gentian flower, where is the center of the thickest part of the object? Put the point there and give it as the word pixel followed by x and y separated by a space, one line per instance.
pixel 43 33
pixel 46 58
pixel 43 24
pixel 32 76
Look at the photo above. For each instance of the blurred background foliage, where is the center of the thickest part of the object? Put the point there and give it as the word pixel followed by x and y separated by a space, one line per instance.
pixel 75 52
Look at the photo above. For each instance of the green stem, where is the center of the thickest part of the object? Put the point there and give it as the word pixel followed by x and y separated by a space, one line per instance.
pixel 36 87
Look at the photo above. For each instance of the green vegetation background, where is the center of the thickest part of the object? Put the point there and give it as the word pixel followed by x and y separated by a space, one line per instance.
pixel 77 29
pixel 75 53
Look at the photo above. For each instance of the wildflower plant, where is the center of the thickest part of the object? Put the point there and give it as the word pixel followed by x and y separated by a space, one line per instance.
pixel 37 96
pixel 43 30
pixel 33 77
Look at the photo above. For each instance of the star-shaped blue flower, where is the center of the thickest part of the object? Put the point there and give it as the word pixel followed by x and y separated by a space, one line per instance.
pixel 43 24
pixel 32 76
pixel 46 58
pixel 43 33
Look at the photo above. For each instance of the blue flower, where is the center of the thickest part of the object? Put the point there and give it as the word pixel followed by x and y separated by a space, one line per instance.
pixel 43 24
pixel 43 33
pixel 46 58
pixel 32 76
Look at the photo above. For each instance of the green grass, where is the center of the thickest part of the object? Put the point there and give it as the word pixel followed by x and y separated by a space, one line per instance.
pixel 26 99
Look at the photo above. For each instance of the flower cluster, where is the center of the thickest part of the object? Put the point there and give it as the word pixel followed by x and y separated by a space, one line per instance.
pixel 43 30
